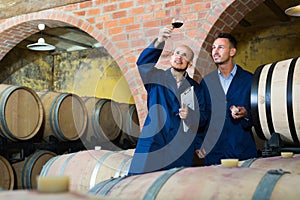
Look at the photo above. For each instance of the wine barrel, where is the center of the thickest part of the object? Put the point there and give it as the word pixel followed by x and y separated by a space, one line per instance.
pixel 65 116
pixel 287 164
pixel 36 195
pixel 275 94
pixel 104 123
pixel 21 113
pixel 215 182
pixel 130 128
pixel 28 169
pixel 129 152
pixel 86 168
pixel 6 175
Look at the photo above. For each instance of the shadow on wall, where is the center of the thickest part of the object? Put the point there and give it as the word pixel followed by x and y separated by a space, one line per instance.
pixel 86 73
pixel 258 46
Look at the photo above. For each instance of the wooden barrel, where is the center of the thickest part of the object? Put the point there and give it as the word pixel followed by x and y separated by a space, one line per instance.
pixel 65 115
pixel 21 113
pixel 131 127
pixel 6 175
pixel 275 94
pixel 104 123
pixel 27 170
pixel 129 152
pixel 86 168
pixel 287 164
pixel 36 195
pixel 212 182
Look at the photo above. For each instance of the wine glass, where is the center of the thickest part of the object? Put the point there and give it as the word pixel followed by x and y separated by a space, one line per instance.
pixel 177 22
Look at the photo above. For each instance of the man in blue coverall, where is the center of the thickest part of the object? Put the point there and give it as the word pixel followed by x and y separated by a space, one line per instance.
pixel 172 129
pixel 229 134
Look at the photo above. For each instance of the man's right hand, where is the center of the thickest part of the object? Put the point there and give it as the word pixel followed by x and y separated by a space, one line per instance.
pixel 201 153
pixel 164 34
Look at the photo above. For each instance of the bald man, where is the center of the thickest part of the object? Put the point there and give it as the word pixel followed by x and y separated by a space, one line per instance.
pixel 172 130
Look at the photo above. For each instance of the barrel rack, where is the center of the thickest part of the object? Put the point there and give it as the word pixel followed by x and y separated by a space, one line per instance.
pixel 274 146
pixel 23 149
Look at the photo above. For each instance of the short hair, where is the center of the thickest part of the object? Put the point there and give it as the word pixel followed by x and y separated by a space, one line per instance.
pixel 233 42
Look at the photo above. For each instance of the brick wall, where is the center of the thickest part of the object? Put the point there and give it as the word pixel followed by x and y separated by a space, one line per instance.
pixel 124 28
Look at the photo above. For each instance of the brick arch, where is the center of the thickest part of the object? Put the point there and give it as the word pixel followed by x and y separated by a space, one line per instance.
pixel 16 29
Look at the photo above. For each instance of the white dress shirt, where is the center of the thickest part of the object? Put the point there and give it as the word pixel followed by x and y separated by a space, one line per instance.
pixel 225 82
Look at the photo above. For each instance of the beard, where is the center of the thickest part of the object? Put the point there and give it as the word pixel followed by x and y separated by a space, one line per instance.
pixel 180 70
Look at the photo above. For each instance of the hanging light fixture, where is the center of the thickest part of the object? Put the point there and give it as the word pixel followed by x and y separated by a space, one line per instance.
pixel 41 45
pixel 293 11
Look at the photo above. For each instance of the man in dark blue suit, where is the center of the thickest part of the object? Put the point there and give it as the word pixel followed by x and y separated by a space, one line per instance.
pixel 172 129
pixel 229 134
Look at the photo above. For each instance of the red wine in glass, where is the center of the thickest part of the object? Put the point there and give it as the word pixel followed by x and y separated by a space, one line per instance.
pixel 177 23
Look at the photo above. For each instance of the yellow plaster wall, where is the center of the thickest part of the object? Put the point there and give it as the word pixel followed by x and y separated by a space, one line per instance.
pixel 24 68
pixel 91 73
pixel 259 46
pixel 85 73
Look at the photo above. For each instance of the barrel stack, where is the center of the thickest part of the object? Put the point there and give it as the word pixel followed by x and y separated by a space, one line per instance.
pixel 36 126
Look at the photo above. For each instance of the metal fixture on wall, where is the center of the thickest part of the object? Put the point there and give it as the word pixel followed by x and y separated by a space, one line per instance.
pixel 293 11
pixel 41 45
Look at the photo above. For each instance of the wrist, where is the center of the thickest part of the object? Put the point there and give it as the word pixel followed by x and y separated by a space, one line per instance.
pixel 158 43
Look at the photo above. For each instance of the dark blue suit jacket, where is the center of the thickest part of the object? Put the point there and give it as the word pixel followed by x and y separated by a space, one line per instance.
pixel 227 137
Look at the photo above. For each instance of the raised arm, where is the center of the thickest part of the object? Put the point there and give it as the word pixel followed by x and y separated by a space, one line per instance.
pixel 149 56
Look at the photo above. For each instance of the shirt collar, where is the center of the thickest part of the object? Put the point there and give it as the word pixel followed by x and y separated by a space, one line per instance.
pixel 232 73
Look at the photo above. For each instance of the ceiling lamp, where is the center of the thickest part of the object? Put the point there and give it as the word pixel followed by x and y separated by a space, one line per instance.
pixel 41 45
pixel 293 11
